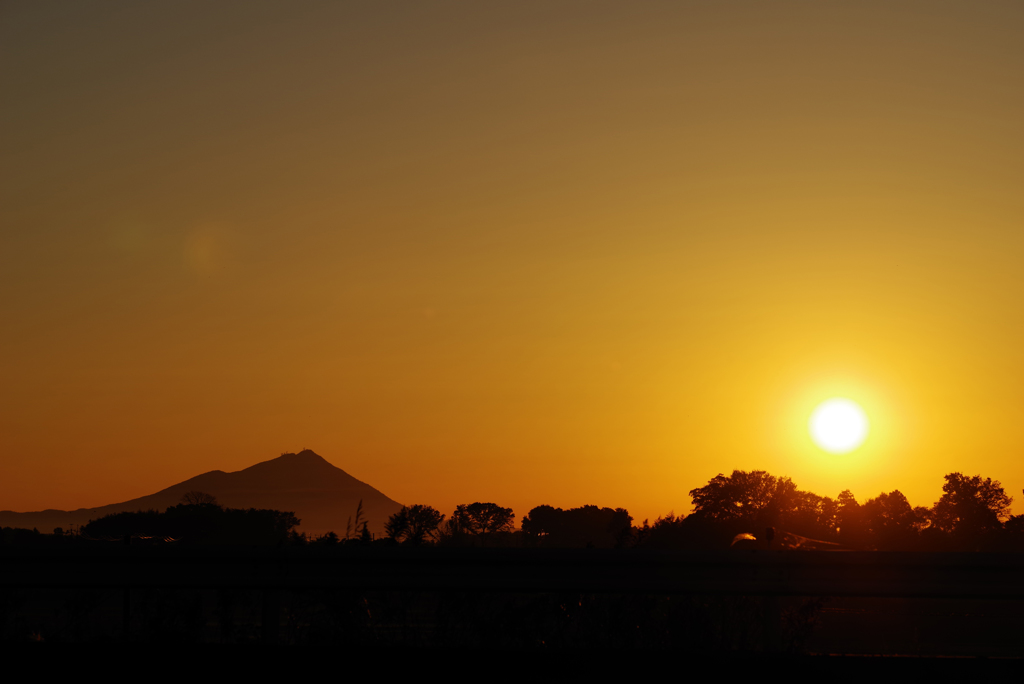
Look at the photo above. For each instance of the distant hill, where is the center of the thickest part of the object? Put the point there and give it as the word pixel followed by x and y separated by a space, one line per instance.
pixel 321 495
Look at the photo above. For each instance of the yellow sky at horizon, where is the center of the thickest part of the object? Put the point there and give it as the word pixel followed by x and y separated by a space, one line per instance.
pixel 555 253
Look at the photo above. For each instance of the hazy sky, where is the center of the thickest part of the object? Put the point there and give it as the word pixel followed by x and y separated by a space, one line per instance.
pixel 520 252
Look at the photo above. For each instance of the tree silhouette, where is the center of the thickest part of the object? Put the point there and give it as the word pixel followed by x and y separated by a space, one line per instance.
pixel 971 505
pixel 195 498
pixel 577 527
pixel 481 518
pixel 850 519
pixel 755 496
pixel 811 515
pixel 890 520
pixel 413 524
pixel 198 524
pixel 397 526
pixel 738 495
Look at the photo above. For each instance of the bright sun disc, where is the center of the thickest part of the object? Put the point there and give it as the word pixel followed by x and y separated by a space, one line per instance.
pixel 838 426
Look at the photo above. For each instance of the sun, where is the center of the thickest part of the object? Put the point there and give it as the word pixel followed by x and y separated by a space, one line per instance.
pixel 838 425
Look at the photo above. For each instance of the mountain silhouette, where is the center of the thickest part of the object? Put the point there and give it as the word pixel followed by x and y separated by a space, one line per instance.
pixel 320 494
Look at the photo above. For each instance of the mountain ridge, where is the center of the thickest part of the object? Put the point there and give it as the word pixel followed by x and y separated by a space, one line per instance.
pixel 319 493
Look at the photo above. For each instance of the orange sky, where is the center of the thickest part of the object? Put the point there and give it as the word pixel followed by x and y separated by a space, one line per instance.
pixel 530 252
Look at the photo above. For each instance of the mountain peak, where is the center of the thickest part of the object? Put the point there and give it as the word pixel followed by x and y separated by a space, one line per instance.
pixel 305 455
pixel 321 494
pixel 306 460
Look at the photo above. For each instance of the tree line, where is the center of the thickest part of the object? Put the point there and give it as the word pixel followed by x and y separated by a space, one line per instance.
pixel 973 514
pixel 746 508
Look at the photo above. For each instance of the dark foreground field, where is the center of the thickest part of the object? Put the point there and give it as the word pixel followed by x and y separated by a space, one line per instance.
pixel 729 604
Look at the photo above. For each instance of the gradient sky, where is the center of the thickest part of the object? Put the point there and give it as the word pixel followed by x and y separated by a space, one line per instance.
pixel 530 252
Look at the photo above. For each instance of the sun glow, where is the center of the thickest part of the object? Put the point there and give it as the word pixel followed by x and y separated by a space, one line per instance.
pixel 838 426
